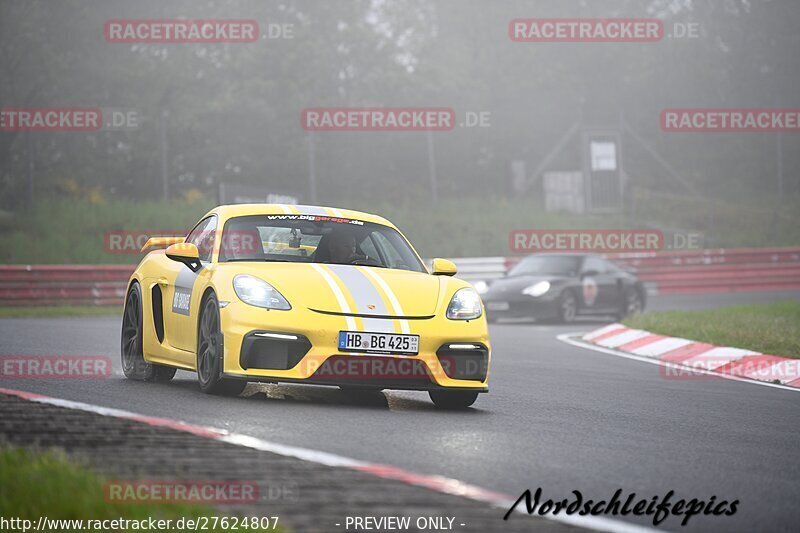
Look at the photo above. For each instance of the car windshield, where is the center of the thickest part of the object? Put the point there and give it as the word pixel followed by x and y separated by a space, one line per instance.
pixel 315 239
pixel 564 265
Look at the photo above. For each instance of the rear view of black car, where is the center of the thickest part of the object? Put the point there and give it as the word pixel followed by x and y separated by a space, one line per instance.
pixel 562 287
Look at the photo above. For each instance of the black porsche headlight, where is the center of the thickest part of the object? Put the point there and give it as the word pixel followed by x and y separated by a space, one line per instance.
pixel 537 289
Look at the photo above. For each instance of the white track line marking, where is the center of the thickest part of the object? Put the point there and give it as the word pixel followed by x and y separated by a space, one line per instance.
pixel 606 329
pixel 782 368
pixel 435 483
pixel 570 338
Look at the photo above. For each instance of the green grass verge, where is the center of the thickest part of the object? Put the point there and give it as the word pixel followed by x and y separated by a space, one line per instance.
pixel 71 231
pixel 48 483
pixel 60 311
pixel 772 329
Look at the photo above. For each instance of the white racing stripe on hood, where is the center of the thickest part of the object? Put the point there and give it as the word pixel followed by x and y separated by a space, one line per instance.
pixel 398 310
pixel 343 305
pixel 364 294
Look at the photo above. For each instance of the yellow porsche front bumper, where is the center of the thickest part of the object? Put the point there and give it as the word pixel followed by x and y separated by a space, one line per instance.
pixel 452 353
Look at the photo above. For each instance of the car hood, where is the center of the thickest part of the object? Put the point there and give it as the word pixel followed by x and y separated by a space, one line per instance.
pixel 348 289
pixel 515 284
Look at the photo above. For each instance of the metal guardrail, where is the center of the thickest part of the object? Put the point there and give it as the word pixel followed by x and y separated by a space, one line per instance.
pixel 712 270
pixel 700 271
pixel 30 285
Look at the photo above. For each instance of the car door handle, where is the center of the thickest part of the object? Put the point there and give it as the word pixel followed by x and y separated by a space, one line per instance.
pixel 163 282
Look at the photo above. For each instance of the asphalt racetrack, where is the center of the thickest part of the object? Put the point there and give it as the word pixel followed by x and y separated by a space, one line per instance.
pixel 557 417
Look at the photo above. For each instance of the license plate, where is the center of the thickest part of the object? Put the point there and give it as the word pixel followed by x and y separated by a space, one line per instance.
pixel 362 341
pixel 497 306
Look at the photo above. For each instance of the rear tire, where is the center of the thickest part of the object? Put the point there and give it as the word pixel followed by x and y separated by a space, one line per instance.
pixel 444 399
pixel 210 353
pixel 133 363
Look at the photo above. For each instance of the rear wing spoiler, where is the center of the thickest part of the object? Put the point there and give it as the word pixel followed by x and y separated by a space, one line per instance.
pixel 161 242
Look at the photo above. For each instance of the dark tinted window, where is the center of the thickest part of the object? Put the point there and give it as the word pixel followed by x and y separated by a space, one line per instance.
pixel 202 236
pixel 611 267
pixel 565 265
pixel 315 239
pixel 594 263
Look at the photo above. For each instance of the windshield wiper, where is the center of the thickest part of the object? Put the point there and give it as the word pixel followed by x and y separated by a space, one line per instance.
pixel 365 265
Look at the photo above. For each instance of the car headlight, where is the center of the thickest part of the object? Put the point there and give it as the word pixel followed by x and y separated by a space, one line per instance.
pixel 254 291
pixel 537 289
pixel 481 286
pixel 464 305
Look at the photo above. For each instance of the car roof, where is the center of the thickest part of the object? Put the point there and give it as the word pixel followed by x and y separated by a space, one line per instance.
pixel 237 210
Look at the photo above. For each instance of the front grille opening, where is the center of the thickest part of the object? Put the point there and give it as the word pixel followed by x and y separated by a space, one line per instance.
pixel 459 363
pixel 270 353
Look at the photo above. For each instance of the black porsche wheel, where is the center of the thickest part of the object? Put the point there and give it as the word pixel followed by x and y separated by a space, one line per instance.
pixel 632 304
pixel 209 353
pixel 567 307
pixel 445 399
pixel 133 364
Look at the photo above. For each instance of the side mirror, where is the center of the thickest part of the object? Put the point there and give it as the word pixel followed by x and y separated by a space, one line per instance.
pixel 590 272
pixel 443 267
pixel 185 253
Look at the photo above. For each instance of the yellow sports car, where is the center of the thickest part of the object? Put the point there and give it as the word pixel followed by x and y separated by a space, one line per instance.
pixel 303 294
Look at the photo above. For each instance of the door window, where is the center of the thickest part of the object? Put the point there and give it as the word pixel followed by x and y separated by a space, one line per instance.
pixel 203 236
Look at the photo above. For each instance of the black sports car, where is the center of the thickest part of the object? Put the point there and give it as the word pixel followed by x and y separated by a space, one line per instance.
pixel 562 286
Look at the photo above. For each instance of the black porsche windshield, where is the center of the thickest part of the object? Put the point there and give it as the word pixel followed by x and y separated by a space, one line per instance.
pixel 563 265
pixel 305 239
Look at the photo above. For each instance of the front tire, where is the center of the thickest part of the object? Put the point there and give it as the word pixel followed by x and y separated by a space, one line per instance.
pixel 632 304
pixel 444 399
pixel 133 364
pixel 210 351
pixel 567 307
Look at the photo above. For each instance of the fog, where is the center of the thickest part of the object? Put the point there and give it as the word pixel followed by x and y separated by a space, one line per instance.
pixel 207 113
